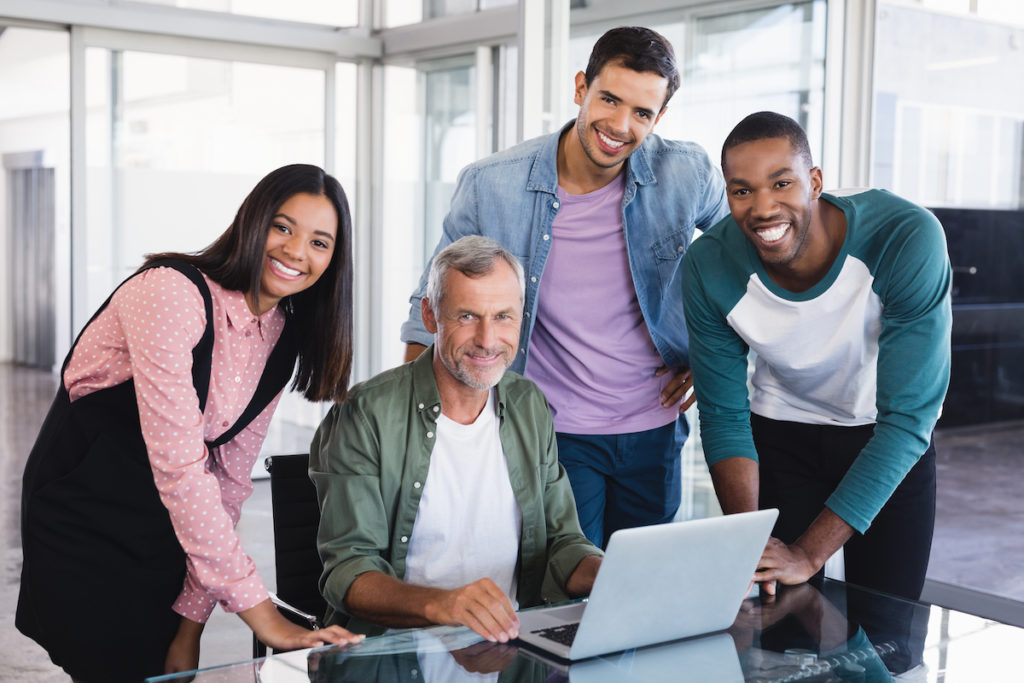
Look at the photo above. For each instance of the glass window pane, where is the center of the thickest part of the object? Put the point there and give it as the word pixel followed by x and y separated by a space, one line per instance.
pixel 329 12
pixel 402 206
pixel 403 12
pixel 742 62
pixel 174 144
pixel 345 84
pixel 450 137
pixel 34 195
pixel 947 126
pixel 430 135
pixel 443 8
pixel 1002 10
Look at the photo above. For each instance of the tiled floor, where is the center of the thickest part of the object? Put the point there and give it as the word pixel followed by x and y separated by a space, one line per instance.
pixel 978 541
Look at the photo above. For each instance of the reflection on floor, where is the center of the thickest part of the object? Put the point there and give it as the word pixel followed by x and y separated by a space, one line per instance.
pixel 977 542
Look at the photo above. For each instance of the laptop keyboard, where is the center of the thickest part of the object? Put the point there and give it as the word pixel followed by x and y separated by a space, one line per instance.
pixel 560 634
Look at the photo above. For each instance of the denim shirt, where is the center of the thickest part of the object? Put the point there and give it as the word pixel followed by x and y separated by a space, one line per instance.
pixel 512 196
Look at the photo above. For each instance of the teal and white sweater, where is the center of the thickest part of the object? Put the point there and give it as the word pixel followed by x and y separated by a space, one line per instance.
pixel 867 344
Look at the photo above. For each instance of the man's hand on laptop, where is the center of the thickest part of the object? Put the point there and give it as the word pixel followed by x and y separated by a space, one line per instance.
pixel 787 564
pixel 481 606
pixel 799 561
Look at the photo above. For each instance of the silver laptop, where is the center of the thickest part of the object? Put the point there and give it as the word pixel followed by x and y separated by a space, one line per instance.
pixel 657 583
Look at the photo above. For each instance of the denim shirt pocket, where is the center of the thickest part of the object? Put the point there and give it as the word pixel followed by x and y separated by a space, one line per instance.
pixel 668 255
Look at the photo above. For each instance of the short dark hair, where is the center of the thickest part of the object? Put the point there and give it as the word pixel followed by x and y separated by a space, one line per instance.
pixel 768 124
pixel 639 49
pixel 322 314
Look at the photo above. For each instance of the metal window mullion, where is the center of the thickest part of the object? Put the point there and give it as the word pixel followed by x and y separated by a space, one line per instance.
pixel 79 261
pixel 187 24
pixel 858 95
pixel 47 258
pixel 832 126
pixel 330 118
pixel 367 223
pixel 30 230
pixel 484 101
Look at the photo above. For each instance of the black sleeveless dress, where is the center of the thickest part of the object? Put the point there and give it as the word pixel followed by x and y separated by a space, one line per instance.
pixel 102 566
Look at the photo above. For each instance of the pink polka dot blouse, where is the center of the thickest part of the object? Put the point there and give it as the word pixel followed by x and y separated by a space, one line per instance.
pixel 147 333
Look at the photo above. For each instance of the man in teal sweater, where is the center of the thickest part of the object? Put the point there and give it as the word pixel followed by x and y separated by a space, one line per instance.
pixel 845 301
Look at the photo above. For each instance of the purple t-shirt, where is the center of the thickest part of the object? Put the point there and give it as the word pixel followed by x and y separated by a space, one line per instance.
pixel 590 351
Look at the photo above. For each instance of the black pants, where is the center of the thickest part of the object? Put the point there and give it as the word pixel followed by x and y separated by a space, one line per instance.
pixel 802 464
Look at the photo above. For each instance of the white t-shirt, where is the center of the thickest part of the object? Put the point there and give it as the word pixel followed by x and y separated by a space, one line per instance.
pixel 468 523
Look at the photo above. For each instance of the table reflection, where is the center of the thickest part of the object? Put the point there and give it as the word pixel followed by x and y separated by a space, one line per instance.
pixel 828 633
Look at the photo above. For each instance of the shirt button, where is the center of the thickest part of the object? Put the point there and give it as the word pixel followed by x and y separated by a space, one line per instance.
pixel 547 237
pixel 680 249
pixel 248 333
pixel 555 205
pixel 430 435
pixel 527 314
pixel 405 539
pixel 533 279
pixel 224 423
pixel 416 485
pixel 522 350
pixel 421 406
pixel 436 408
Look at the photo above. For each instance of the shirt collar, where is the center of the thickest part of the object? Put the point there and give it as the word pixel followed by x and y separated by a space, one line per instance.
pixel 237 310
pixel 544 174
pixel 424 386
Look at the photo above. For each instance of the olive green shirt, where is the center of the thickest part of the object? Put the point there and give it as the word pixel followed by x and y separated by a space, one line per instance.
pixel 370 457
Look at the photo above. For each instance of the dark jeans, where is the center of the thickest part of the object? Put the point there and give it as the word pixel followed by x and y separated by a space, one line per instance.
pixel 624 480
pixel 802 464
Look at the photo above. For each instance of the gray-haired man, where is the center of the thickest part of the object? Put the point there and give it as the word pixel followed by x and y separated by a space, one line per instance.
pixel 441 495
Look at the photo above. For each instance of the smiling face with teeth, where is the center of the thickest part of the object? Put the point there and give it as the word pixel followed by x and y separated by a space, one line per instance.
pixel 773 195
pixel 618 109
pixel 476 329
pixel 299 248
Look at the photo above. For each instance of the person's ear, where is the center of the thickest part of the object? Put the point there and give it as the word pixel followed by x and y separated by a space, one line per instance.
pixel 581 88
pixel 816 182
pixel 429 321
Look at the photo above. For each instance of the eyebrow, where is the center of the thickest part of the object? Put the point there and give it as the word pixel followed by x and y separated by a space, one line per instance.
pixel 771 176
pixel 505 311
pixel 291 220
pixel 611 95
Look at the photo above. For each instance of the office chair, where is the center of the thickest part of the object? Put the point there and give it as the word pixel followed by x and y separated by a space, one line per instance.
pixel 297 562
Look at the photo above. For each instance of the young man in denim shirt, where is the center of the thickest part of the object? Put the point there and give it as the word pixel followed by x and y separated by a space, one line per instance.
pixel 601 213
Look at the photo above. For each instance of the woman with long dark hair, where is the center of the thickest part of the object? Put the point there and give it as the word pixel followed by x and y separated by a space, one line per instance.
pixel 133 489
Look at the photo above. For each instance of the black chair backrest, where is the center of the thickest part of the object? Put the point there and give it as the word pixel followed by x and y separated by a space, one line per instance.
pixel 296 518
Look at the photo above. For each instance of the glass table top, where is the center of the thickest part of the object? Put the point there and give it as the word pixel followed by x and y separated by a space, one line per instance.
pixel 835 632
